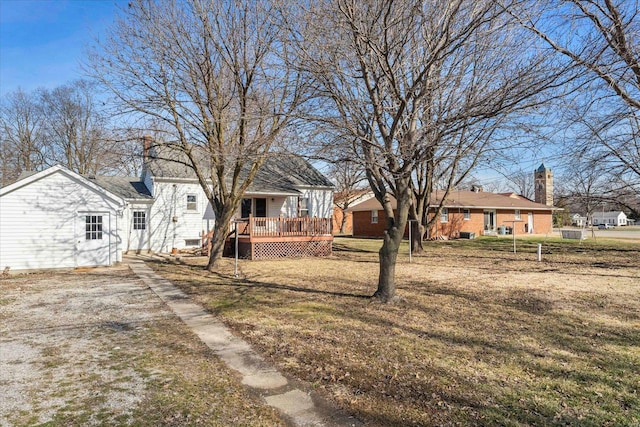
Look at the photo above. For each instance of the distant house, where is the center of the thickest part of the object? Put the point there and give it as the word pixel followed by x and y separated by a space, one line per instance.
pixel 616 218
pixel 578 220
pixel 339 198
pixel 477 212
pixel 57 218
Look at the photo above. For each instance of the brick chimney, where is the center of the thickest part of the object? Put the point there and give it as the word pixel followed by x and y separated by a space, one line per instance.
pixel 146 147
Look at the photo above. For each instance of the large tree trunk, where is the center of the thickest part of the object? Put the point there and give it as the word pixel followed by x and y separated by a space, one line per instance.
pixel 217 247
pixel 388 255
pixel 417 234
pixel 220 233
pixel 343 223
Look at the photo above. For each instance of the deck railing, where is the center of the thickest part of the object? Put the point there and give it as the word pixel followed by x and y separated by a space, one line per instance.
pixel 283 227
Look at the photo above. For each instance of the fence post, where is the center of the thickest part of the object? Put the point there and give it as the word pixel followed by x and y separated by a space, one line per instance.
pixel 539 252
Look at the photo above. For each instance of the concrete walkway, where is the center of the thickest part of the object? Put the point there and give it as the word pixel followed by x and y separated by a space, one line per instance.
pixel 278 392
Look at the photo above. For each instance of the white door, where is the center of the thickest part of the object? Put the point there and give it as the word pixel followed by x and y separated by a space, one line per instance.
pixel 489 221
pixel 530 223
pixel 93 239
pixel 138 230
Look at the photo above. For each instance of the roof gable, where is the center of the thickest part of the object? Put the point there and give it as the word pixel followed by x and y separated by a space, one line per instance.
pixel 126 187
pixel 31 178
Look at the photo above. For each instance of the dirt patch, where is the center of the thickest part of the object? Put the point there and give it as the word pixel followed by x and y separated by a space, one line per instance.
pixel 97 347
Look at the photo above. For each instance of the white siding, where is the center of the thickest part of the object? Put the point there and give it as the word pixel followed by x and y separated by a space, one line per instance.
pixel 135 240
pixel 321 202
pixel 276 206
pixel 171 202
pixel 38 222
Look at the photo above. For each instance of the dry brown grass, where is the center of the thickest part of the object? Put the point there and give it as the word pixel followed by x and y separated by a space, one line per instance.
pixel 478 335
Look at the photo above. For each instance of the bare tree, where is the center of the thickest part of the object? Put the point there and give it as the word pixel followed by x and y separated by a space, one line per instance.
pixel 215 74
pixel 521 181
pixel 600 38
pixel 584 185
pixel 21 135
pixel 407 80
pixel 349 178
pixel 76 128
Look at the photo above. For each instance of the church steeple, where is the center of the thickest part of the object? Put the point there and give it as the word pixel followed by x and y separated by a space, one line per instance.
pixel 543 181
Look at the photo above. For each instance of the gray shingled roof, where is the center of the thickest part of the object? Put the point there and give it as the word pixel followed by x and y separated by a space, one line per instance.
pixel 125 187
pixel 280 173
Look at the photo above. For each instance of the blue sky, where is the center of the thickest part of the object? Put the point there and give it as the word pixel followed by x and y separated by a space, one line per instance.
pixel 42 44
pixel 42 41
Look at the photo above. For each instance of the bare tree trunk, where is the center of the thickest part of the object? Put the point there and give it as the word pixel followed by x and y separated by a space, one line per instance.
pixel 388 255
pixel 417 235
pixel 217 246
pixel 220 234
pixel 343 223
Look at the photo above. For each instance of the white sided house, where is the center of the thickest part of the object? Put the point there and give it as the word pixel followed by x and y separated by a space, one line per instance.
pixel 285 186
pixel 615 218
pixel 59 219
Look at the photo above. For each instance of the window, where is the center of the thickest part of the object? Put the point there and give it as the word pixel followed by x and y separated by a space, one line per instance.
pixel 467 214
pixel 261 207
pixel 444 215
pixel 245 208
pixel 303 204
pixel 517 214
pixel 93 227
pixel 139 220
pixel 192 202
pixel 374 217
pixel 192 242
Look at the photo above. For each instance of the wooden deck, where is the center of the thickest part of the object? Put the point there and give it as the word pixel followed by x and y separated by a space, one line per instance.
pixel 279 237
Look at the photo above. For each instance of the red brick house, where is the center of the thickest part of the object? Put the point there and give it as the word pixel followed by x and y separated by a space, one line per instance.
pixel 348 198
pixel 478 212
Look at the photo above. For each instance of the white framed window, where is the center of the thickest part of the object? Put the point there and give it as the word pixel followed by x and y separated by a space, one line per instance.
pixel 517 214
pixel 444 215
pixel 192 202
pixel 139 220
pixel 93 227
pixel 374 216
pixel 467 214
pixel 303 207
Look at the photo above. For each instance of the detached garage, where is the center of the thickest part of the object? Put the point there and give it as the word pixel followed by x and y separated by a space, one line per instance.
pixel 58 219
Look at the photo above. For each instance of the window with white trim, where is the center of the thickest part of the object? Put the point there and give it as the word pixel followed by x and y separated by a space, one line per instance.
pixel 93 227
pixel 444 215
pixel 303 206
pixel 374 216
pixel 517 214
pixel 139 220
pixel 192 202
pixel 467 214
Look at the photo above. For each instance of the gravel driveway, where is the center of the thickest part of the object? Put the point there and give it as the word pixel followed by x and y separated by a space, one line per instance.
pixel 97 347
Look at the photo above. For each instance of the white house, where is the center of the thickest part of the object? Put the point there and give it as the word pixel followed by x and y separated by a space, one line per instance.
pixel 578 220
pixel 616 218
pixel 59 219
